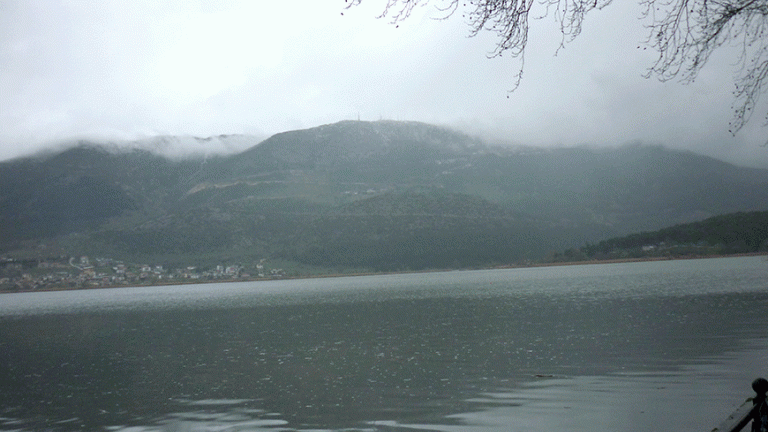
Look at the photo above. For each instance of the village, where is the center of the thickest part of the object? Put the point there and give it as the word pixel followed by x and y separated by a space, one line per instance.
pixel 67 272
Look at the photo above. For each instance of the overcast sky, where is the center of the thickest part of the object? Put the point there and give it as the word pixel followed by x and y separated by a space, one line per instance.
pixel 139 68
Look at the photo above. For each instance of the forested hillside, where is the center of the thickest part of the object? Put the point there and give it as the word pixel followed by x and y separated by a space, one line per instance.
pixel 734 233
pixel 359 195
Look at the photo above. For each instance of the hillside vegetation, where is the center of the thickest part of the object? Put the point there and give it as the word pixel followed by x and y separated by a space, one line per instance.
pixel 360 196
pixel 734 233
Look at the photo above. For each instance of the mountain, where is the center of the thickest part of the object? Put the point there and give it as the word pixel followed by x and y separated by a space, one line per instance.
pixel 368 195
pixel 733 233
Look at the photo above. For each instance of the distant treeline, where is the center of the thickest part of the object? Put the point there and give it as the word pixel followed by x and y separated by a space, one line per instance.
pixel 734 233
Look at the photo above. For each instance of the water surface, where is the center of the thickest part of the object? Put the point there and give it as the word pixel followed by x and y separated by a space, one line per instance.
pixel 627 347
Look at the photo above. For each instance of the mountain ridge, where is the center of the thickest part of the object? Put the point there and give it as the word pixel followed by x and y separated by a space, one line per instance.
pixel 407 194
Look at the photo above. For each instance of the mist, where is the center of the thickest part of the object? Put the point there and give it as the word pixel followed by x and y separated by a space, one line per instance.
pixel 132 72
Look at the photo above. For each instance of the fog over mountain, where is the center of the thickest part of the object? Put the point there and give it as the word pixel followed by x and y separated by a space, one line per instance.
pixel 378 195
pixel 127 71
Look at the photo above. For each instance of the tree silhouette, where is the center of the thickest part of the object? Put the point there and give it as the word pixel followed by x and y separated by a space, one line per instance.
pixel 684 33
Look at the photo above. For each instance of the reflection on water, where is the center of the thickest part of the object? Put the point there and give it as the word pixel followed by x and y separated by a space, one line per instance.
pixel 615 347
pixel 693 398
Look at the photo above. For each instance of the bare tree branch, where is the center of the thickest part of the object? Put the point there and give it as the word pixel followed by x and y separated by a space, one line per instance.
pixel 689 31
pixel 685 33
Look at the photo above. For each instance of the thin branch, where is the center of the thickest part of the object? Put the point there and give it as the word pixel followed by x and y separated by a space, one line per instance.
pixel 685 33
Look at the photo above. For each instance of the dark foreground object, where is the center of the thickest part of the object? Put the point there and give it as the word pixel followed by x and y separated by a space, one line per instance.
pixel 757 413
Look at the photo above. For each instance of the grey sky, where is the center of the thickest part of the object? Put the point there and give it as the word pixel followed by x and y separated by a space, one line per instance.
pixel 133 69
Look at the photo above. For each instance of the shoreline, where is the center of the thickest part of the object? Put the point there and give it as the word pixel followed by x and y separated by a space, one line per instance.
pixel 340 275
pixel 631 260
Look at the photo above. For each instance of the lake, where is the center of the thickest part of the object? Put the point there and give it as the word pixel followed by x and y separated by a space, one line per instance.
pixel 668 345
